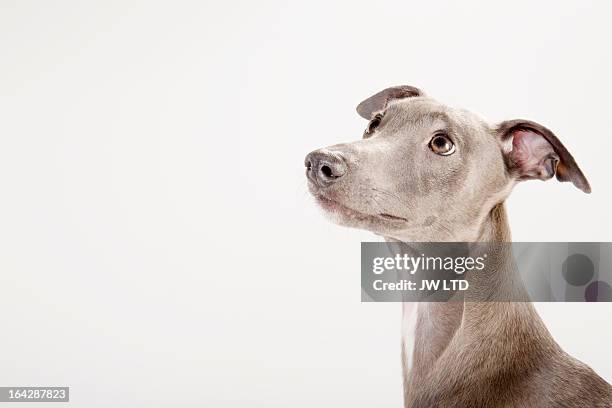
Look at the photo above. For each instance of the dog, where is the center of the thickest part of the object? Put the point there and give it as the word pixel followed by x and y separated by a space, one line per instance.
pixel 427 172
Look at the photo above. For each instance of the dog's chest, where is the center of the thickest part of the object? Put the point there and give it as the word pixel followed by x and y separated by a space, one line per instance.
pixel 409 323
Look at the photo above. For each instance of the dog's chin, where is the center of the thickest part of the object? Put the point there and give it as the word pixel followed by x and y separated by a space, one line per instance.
pixel 343 215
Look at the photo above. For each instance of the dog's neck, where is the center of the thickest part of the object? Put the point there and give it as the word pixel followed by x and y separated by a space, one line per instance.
pixel 442 341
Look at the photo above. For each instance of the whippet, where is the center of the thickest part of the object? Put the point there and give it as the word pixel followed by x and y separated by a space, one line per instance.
pixel 426 172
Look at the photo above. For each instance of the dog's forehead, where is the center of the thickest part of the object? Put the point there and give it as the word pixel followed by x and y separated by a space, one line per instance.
pixel 421 104
pixel 427 110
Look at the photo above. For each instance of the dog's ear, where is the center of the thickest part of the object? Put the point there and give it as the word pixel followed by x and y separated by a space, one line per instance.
pixel 532 151
pixel 379 102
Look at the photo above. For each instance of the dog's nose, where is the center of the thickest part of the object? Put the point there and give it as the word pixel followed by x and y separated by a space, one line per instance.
pixel 324 167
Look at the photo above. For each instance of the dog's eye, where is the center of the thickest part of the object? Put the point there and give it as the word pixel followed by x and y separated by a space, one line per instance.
pixel 373 124
pixel 442 145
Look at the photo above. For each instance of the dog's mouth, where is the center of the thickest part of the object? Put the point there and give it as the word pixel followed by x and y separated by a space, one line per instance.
pixel 336 207
pixel 392 217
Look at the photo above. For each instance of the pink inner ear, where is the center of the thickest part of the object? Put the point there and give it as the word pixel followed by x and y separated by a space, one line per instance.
pixel 530 155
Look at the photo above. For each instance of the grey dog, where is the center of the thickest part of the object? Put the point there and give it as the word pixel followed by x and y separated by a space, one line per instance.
pixel 426 172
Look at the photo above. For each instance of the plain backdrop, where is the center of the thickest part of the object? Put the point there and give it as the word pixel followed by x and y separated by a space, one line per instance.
pixel 158 246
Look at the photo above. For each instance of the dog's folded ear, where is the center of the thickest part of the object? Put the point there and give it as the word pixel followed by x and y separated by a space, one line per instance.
pixel 532 151
pixel 379 101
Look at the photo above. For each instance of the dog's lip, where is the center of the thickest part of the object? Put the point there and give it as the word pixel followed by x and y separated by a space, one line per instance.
pixel 392 217
pixel 334 205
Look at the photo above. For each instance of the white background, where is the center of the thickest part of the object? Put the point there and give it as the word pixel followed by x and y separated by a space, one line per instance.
pixel 158 245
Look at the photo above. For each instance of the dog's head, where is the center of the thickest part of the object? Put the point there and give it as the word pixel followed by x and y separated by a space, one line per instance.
pixel 424 171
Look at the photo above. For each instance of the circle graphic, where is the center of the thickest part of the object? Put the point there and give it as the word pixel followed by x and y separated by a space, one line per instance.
pixel 578 270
